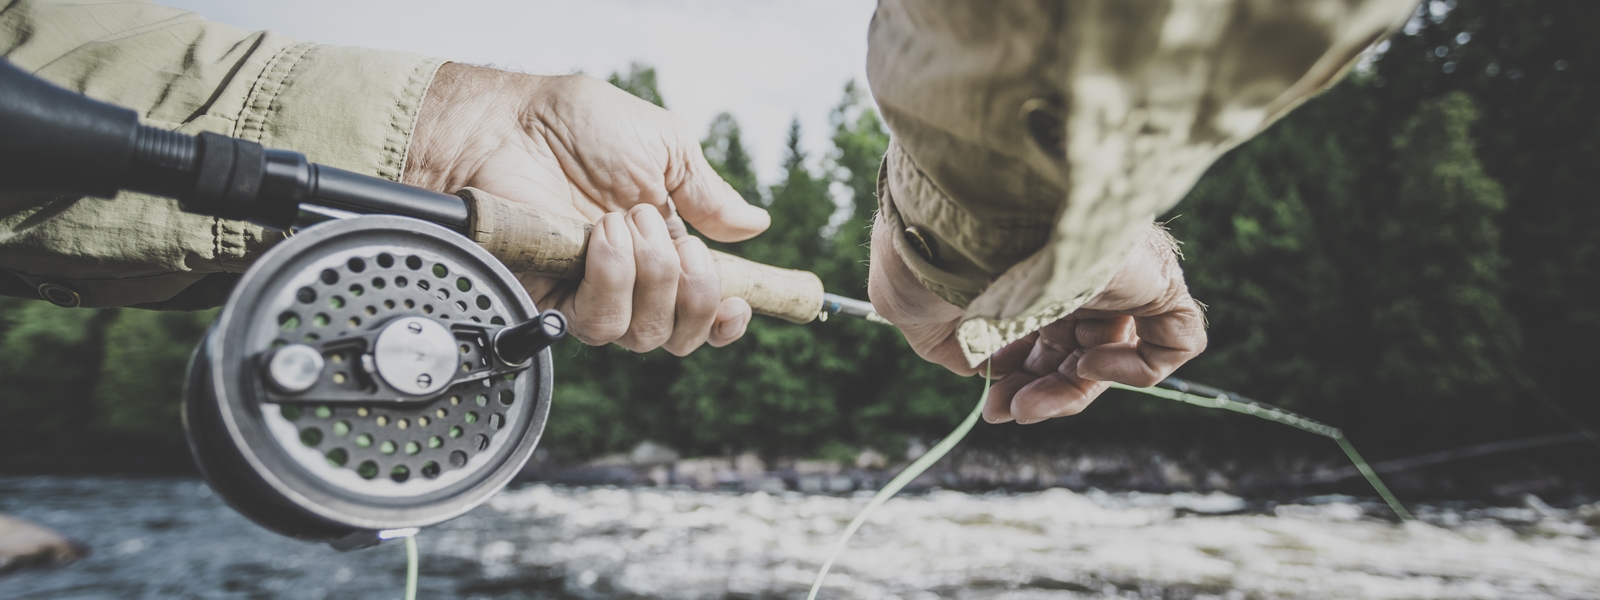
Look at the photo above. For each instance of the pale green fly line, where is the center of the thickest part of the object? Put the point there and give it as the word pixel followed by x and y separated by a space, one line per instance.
pixel 411 567
pixel 1222 401
pixel 894 486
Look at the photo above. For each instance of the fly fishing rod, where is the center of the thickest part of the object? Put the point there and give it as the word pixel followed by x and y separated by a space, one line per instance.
pixel 380 370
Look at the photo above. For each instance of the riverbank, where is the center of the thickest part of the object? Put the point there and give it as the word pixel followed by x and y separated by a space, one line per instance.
pixel 1565 472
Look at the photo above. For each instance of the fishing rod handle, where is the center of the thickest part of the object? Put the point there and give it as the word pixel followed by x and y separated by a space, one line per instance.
pixel 528 240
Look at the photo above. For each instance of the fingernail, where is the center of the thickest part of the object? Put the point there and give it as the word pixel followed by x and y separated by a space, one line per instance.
pixel 730 329
pixel 616 230
pixel 649 223
pixel 694 256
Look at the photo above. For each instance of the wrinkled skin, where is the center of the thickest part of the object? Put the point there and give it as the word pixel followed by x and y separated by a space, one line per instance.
pixel 1136 331
pixel 579 147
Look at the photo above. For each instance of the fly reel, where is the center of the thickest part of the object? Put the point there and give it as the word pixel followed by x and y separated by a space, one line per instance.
pixel 369 375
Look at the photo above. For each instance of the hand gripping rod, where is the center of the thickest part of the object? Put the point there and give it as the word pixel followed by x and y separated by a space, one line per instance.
pixel 59 141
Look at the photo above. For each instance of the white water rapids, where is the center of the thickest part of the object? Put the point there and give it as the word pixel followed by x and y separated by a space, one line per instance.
pixel 171 538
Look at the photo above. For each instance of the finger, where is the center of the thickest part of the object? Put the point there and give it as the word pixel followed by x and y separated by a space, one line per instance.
pixel 655 286
pixel 675 226
pixel 1055 342
pixel 699 293
pixel 733 315
pixel 1058 394
pixel 1054 395
pixel 1009 359
pixel 714 207
pixel 997 407
pixel 1164 343
pixel 601 309
pixel 1112 329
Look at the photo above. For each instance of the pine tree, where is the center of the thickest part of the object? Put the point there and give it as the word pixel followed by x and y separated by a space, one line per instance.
pixel 640 80
pixel 724 149
pixel 770 391
pixel 1528 65
pixel 1440 329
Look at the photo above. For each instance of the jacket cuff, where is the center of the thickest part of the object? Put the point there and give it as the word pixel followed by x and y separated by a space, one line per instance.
pixel 918 247
pixel 350 108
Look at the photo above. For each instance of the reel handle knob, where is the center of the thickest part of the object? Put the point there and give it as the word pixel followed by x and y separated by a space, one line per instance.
pixel 516 344
pixel 528 240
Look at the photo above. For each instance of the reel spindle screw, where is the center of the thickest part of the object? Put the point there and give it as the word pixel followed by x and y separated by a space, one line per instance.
pixel 415 355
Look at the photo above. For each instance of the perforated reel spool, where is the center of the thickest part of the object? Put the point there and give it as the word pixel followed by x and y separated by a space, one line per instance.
pixel 356 452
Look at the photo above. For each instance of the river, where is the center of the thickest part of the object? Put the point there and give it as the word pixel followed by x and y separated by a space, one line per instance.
pixel 172 538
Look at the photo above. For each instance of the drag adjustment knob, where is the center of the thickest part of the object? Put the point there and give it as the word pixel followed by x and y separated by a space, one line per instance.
pixel 516 344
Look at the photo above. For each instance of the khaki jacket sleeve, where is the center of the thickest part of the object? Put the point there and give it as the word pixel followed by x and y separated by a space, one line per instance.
pixel 1034 140
pixel 347 107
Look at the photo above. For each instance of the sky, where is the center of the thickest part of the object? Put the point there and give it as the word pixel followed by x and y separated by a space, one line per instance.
pixel 764 61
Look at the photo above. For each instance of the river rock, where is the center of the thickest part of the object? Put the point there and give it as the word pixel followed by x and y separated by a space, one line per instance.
pixel 24 544
pixel 649 453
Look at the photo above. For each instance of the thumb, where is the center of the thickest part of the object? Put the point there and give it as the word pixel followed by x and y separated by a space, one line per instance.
pixel 713 207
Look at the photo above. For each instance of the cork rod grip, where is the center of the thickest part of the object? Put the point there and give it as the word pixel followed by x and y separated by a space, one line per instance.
pixel 529 241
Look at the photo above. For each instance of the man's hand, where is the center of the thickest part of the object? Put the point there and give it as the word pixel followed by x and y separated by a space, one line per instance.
pixel 1137 331
pixel 579 147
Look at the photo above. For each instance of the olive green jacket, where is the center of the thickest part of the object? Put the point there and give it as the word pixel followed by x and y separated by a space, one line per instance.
pixel 1034 140
pixel 351 108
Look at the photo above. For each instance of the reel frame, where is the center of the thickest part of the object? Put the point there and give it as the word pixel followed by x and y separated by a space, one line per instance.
pixel 263 449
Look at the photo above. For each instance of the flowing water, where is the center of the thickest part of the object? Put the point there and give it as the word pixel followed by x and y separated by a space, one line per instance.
pixel 172 538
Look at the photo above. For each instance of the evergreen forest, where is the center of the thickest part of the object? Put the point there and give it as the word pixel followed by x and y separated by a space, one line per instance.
pixel 1405 257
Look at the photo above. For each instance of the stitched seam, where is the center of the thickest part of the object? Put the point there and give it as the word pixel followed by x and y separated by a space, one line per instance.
pixel 239 121
pixel 283 82
pixel 258 105
pixel 405 152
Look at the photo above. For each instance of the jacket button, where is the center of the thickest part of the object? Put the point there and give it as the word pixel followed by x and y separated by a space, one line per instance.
pixel 1046 126
pixel 924 246
pixel 59 295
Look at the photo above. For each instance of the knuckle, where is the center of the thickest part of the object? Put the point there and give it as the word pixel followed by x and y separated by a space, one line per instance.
pixel 697 298
pixel 657 262
pixel 599 329
pixel 651 334
pixel 682 349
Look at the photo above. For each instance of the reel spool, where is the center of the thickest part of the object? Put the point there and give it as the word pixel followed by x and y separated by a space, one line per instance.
pixel 369 375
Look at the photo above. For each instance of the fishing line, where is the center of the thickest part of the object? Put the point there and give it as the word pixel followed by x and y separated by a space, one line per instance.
pixel 917 468
pixel 1241 405
pixel 1222 400
pixel 411 567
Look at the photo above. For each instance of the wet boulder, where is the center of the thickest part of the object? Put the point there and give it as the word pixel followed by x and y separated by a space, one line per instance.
pixel 24 544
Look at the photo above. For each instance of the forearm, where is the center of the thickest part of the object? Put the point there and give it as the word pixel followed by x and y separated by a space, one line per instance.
pixel 349 108
pixel 1035 141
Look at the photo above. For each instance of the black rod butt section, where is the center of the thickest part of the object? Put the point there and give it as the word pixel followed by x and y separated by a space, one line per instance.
pixel 518 343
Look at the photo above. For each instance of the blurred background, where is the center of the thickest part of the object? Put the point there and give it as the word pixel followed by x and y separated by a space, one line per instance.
pixel 1411 256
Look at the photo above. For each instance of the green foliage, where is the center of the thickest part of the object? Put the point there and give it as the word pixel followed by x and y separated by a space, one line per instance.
pixel 1439 325
pixel 140 388
pixel 724 149
pixel 640 80
pixel 1528 66
pixel 1378 259
pixel 48 361
pixel 1340 266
